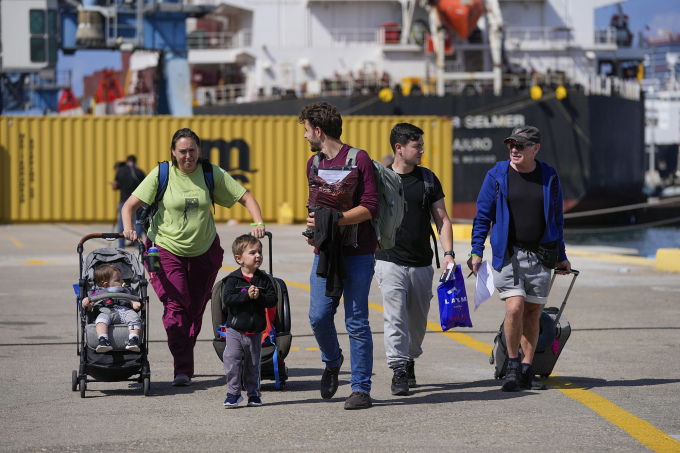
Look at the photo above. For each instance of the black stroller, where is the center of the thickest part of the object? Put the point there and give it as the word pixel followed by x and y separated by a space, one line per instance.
pixel 272 361
pixel 119 364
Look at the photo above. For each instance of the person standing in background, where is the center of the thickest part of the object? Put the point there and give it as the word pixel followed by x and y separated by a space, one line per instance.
pixel 128 177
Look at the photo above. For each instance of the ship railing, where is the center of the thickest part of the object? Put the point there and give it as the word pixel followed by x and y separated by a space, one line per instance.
pixel 200 39
pixel 136 104
pixel 605 35
pixel 51 79
pixel 389 35
pixel 467 84
pixel 219 94
pixel 609 86
pixel 537 38
pixel 343 37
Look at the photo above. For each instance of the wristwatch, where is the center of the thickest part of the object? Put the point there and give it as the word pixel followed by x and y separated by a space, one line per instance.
pixel 453 255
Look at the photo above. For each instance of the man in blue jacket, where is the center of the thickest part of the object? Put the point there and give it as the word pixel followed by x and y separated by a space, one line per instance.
pixel 522 199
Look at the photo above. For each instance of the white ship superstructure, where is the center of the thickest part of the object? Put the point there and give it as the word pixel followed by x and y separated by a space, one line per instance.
pixel 306 48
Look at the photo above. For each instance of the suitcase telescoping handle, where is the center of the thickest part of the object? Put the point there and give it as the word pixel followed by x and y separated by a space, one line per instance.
pixel 574 273
pixel 269 236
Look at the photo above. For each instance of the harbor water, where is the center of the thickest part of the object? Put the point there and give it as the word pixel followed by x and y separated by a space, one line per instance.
pixel 643 239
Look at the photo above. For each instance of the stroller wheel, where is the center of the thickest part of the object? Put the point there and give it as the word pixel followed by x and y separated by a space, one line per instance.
pixel 74 380
pixel 83 387
pixel 147 386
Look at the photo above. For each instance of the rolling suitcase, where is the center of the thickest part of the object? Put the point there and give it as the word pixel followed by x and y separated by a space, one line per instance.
pixel 274 351
pixel 553 335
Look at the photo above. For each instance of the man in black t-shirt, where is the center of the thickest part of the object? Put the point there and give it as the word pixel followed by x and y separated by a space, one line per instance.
pixel 127 179
pixel 405 271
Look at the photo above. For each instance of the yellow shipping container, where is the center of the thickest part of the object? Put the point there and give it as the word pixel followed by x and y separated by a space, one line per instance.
pixel 59 169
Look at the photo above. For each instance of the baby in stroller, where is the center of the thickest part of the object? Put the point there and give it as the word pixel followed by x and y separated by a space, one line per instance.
pixel 109 279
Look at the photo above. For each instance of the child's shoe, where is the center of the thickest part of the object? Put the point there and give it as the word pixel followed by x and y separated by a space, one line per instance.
pixel 254 401
pixel 103 346
pixel 232 401
pixel 132 344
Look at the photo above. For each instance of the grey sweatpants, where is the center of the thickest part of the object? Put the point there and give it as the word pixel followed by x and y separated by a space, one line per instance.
pixel 242 357
pixel 406 292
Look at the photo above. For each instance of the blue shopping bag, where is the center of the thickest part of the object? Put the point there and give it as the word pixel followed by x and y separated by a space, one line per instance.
pixel 453 302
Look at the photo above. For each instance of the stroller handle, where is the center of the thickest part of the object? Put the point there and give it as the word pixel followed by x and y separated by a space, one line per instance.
pixel 108 236
pixel 104 296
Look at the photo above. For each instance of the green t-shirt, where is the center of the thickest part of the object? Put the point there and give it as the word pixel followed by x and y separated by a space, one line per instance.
pixel 184 224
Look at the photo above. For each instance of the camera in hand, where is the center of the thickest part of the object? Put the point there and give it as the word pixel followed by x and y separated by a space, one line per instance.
pixel 308 234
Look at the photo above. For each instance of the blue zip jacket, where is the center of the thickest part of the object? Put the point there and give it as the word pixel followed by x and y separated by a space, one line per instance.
pixel 492 210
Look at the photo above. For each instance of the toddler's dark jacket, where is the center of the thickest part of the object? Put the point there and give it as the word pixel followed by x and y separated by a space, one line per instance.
pixel 243 313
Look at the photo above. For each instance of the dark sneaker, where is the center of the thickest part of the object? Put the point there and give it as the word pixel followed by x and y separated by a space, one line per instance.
pixel 182 380
pixel 529 380
pixel 232 401
pixel 254 401
pixel 358 400
pixel 411 373
pixel 103 346
pixel 132 344
pixel 512 375
pixel 329 381
pixel 399 383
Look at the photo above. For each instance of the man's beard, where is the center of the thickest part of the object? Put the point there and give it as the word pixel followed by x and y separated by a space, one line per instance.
pixel 315 147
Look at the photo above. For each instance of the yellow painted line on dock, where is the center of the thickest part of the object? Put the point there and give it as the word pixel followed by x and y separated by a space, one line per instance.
pixel 298 285
pixel 37 262
pixel 14 241
pixel 624 259
pixel 639 429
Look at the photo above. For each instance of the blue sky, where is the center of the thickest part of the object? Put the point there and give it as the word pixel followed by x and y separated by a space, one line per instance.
pixel 85 62
pixel 655 14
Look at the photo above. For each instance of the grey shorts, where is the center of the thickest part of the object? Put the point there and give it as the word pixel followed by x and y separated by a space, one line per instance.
pixel 119 315
pixel 523 275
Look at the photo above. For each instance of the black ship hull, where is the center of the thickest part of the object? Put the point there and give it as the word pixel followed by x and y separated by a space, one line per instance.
pixel 596 143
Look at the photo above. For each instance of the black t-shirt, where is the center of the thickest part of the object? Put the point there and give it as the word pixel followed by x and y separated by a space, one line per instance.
pixel 128 179
pixel 412 247
pixel 525 202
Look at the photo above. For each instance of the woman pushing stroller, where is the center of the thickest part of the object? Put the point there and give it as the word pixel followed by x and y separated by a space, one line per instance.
pixel 183 230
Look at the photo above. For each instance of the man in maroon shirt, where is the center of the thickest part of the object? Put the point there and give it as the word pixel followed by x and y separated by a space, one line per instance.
pixel 323 127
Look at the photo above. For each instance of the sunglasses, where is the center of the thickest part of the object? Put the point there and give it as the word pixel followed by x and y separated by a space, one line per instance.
pixel 518 146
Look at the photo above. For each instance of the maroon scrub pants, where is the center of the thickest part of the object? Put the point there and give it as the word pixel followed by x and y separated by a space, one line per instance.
pixel 184 285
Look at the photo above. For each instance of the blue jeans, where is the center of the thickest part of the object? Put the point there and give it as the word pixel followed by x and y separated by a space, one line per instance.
pixel 322 311
pixel 138 228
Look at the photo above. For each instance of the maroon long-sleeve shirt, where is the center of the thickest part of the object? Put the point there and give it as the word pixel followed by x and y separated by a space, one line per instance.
pixel 365 195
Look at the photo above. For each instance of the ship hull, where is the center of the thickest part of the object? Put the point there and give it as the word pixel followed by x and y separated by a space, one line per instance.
pixel 596 143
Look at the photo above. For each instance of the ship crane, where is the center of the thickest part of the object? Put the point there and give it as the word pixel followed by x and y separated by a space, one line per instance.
pixel 461 17
pixel 72 25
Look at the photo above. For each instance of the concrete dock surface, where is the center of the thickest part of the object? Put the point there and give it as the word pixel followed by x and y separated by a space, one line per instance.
pixel 616 386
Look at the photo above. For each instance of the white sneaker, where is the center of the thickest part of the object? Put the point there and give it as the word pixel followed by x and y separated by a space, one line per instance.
pixel 182 380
